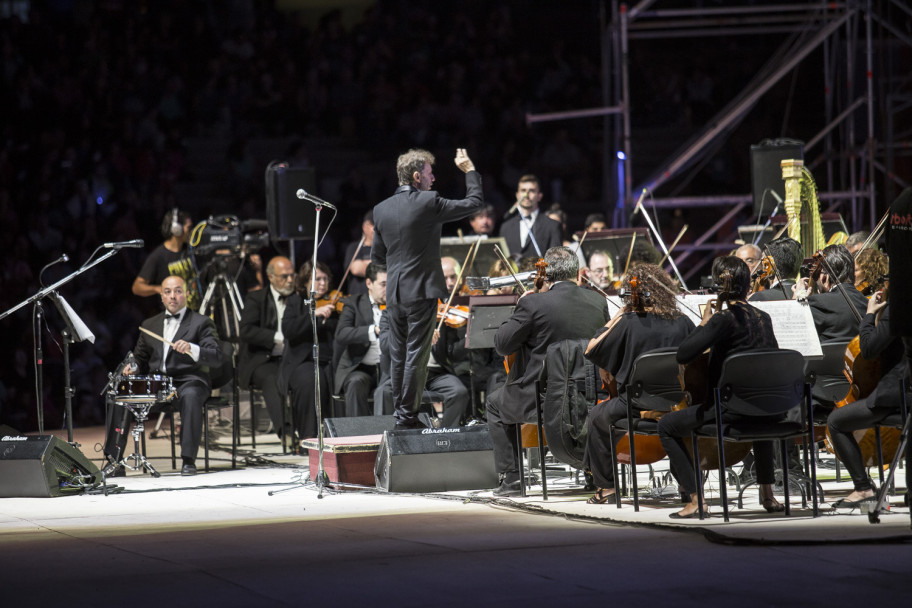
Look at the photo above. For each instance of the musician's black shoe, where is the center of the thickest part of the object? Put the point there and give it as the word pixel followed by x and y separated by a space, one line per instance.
pixel 114 470
pixel 510 485
pixel 188 469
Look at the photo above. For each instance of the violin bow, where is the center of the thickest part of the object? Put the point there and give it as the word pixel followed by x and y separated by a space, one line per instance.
pixel 630 253
pixel 670 249
pixel 579 243
pixel 776 273
pixel 348 270
pixel 504 259
pixel 875 234
pixel 599 290
pixel 446 308
pixel 658 237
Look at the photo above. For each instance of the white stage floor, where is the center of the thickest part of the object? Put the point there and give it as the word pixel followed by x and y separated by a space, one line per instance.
pixel 225 539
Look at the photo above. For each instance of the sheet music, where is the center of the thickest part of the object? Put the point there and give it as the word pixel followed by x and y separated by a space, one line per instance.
pixel 793 325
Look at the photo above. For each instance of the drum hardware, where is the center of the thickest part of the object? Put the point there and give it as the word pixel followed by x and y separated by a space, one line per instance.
pixel 139 394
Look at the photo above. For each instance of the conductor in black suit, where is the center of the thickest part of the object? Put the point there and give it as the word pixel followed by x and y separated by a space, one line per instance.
pixel 564 311
pixel 407 228
pixel 546 233
pixel 195 350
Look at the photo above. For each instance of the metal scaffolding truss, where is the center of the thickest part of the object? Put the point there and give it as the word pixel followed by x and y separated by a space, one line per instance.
pixel 852 163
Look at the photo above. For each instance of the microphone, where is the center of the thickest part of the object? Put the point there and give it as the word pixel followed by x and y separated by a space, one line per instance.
pixel 304 196
pixel 63 258
pixel 135 243
pixel 778 201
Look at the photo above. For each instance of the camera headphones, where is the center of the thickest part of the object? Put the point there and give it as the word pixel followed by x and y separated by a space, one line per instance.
pixel 176 228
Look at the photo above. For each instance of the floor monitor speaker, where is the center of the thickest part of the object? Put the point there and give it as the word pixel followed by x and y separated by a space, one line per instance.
pixel 43 466
pixel 436 460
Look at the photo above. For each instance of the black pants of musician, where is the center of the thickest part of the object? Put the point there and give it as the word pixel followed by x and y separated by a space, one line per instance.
pixel 411 330
pixel 301 387
pixel 357 388
pixel 863 414
pixel 674 432
pixel 265 378
pixel 190 402
pixel 597 458
pixel 503 436
pixel 447 388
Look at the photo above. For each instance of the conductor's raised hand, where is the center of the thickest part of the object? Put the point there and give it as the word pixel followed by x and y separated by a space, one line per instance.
pixel 463 161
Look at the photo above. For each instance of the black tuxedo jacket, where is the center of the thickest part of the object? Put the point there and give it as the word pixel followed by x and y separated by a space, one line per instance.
pixel 194 328
pixel 773 294
pixel 298 331
pixel 259 323
pixel 352 340
pixel 566 311
pixel 546 231
pixel 833 318
pixel 407 228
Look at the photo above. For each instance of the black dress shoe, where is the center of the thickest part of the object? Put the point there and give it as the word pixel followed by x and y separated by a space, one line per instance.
pixel 114 470
pixel 188 469
pixel 509 488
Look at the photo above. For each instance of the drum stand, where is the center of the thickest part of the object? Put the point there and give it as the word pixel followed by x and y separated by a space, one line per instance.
pixel 140 412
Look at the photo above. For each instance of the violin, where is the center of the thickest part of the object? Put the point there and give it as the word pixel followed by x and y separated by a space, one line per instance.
pixel 540 274
pixel 452 316
pixel 334 299
pixel 763 275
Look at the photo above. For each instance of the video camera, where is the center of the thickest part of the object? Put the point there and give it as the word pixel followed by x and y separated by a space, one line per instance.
pixel 226 236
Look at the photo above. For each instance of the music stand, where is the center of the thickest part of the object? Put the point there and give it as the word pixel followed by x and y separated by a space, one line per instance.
pixel 485 256
pixel 615 242
pixel 486 315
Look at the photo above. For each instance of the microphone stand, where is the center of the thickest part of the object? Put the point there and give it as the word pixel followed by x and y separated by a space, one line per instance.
pixel 655 233
pixel 769 220
pixel 36 334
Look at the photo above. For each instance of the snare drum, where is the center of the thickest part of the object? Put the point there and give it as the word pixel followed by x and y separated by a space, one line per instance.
pixel 153 388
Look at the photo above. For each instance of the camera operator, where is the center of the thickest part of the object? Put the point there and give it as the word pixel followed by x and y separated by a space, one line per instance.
pixel 170 258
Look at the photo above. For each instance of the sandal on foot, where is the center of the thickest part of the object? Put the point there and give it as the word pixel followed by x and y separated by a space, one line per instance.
pixel 772 505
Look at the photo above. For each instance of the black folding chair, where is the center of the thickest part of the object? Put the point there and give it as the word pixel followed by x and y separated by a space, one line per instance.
pixel 758 386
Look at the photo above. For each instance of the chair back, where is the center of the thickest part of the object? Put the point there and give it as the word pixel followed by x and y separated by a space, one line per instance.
pixel 830 384
pixel 762 383
pixel 654 383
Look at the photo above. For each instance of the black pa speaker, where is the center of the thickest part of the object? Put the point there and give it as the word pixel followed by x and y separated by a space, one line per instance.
pixel 436 460
pixel 357 426
pixel 42 466
pixel 766 173
pixel 288 216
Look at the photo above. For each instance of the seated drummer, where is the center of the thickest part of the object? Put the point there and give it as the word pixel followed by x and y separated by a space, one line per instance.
pixel 738 328
pixel 874 341
pixel 657 323
pixel 195 349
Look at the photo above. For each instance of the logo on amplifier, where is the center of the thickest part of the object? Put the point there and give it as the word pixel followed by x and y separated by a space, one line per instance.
pixel 11 438
pixel 443 443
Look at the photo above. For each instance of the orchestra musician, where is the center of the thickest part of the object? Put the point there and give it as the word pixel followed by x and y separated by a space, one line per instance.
pixel 786 255
pixel 601 270
pixel 195 350
pixel 261 339
pixel 643 324
pixel 359 255
pixel 875 340
pixel 358 344
pixel 546 233
pixel 750 254
pixel 483 222
pixel 833 318
pixel 738 328
pixel 296 373
pixel 871 269
pixel 407 229
pixel 562 311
